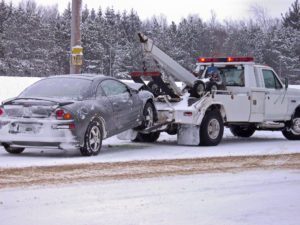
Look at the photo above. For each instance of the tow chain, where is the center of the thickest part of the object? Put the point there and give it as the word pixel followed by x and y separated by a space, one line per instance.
pixel 144 63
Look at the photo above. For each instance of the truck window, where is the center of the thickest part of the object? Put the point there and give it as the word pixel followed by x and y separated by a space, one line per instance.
pixel 271 81
pixel 231 76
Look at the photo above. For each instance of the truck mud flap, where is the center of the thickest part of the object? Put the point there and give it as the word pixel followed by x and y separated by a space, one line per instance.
pixel 188 134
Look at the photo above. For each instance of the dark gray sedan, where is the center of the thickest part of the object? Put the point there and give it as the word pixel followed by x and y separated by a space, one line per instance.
pixel 73 111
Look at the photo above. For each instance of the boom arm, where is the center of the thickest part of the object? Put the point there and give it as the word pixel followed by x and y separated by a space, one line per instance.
pixel 174 68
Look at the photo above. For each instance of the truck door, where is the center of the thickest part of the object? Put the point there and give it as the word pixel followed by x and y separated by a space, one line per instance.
pixel 275 99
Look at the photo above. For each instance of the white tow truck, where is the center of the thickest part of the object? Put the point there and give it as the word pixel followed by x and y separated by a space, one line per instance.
pixel 231 92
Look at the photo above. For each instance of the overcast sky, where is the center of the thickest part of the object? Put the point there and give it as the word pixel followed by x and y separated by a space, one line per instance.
pixel 175 10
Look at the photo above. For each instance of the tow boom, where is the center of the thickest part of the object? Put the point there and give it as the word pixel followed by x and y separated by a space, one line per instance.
pixel 170 65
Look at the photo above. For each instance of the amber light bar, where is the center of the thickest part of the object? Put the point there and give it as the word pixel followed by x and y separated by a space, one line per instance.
pixel 228 59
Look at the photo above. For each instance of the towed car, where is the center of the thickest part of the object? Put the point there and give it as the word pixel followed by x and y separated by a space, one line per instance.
pixel 73 111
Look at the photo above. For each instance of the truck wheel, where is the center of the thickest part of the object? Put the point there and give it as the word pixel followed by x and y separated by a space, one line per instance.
pixel 92 139
pixel 151 137
pixel 12 150
pixel 294 132
pixel 242 131
pixel 211 87
pixel 211 129
pixel 198 89
pixel 154 88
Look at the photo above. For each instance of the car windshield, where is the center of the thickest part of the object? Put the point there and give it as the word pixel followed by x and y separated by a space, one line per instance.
pixel 60 87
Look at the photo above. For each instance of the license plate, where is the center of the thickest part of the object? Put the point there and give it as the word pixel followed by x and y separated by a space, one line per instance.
pixel 24 128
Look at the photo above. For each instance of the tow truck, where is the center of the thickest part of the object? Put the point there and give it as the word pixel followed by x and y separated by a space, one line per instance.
pixel 231 92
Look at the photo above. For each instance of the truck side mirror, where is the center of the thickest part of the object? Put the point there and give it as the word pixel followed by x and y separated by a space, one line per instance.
pixel 286 82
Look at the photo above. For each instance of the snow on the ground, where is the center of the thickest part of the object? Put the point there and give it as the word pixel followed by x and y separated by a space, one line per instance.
pixel 257 197
pixel 12 86
pixel 114 150
pixel 263 142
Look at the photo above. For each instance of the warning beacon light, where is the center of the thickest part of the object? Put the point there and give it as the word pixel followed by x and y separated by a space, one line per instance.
pixel 228 59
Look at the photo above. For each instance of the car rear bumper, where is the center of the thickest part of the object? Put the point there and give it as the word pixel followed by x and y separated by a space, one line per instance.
pixel 48 133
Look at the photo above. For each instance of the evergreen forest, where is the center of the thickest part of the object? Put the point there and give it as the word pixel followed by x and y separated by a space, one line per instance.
pixel 35 40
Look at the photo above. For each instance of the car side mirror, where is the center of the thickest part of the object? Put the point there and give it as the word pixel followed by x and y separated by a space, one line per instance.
pixel 286 82
pixel 130 91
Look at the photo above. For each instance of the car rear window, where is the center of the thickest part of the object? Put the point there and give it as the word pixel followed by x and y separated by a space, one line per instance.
pixel 61 87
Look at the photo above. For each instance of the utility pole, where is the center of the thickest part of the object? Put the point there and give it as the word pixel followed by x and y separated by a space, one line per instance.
pixel 76 49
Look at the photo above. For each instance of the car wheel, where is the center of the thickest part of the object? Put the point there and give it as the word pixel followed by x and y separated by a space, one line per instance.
pixel 149 119
pixel 13 150
pixel 149 116
pixel 211 129
pixel 242 131
pixel 92 139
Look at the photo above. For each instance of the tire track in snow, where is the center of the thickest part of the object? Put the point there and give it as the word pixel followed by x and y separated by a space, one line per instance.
pixel 53 175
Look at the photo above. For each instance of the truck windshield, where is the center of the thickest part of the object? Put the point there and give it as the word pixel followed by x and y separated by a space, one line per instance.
pixel 230 76
pixel 58 87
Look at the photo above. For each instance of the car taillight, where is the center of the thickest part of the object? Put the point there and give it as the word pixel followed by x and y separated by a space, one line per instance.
pixel 67 116
pixel 60 113
pixel 1 111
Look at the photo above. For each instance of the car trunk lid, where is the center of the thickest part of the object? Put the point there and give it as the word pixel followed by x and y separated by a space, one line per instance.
pixel 32 107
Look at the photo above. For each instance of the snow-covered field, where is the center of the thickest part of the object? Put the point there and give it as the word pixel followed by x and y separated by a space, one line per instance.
pixel 262 196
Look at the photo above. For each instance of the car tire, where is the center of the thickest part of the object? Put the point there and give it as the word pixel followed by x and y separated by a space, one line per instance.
pixel 241 131
pixel 211 129
pixel 13 150
pixel 149 115
pixel 92 139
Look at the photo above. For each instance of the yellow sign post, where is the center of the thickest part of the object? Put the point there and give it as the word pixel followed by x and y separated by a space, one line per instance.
pixel 77 55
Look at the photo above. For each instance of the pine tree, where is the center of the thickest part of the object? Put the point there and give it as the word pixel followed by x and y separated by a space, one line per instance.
pixel 62 41
pixel 292 17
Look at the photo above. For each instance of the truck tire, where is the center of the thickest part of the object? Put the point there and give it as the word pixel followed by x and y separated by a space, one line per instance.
pixel 12 150
pixel 211 129
pixel 151 137
pixel 295 126
pixel 211 87
pixel 198 89
pixel 242 131
pixel 154 88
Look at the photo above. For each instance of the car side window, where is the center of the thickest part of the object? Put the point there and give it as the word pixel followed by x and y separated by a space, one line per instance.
pixel 271 81
pixel 112 87
pixel 99 91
